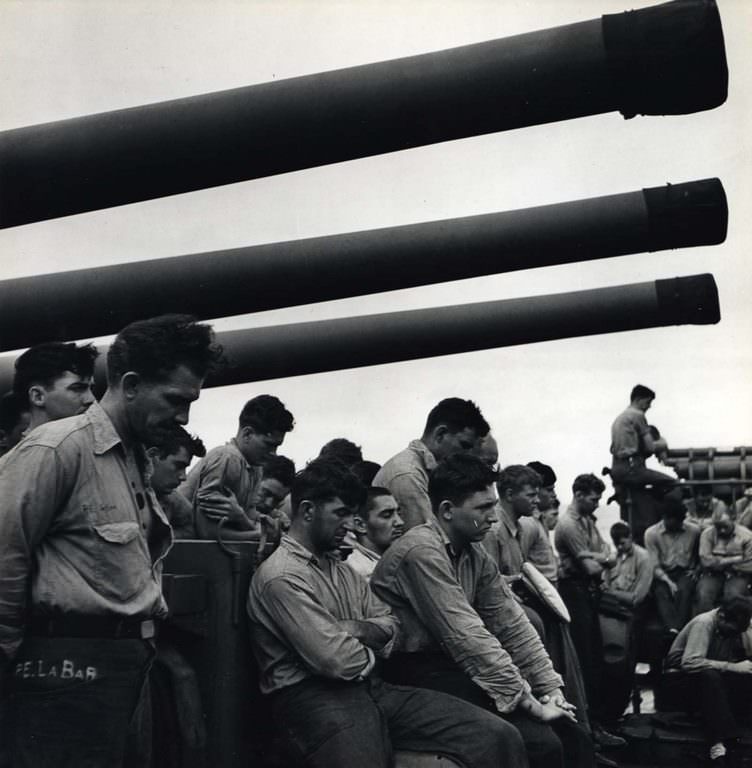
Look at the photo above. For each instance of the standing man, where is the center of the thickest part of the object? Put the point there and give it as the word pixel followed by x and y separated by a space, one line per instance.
pixel 222 486
pixel 377 524
pixel 169 462
pixel 672 545
pixel 316 631
pixel 465 634
pixel 453 426
pixel 726 562
pixel 583 557
pixel 54 380
pixel 82 533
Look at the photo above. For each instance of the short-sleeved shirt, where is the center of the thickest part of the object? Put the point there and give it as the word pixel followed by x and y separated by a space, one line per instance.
pixel 627 433
pixel 295 603
pixel 673 550
pixel 223 467
pixel 406 477
pixel 457 602
pixel 574 534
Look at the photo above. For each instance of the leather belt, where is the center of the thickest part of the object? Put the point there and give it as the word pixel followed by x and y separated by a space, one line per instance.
pixel 94 627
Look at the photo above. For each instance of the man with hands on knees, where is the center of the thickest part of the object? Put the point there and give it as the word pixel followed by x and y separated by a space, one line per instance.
pixel 463 631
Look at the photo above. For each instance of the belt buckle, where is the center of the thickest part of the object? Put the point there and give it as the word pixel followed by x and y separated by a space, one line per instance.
pixel 148 629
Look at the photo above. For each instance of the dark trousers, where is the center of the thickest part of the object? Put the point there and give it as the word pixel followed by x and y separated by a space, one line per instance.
pixel 637 474
pixel 713 587
pixel 722 699
pixel 330 724
pixel 81 703
pixel 585 629
pixel 561 743
pixel 675 611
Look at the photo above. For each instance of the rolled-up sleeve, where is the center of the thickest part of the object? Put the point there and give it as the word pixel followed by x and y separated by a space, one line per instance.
pixel 505 619
pixel 32 479
pixel 708 558
pixel 440 603
pixel 314 633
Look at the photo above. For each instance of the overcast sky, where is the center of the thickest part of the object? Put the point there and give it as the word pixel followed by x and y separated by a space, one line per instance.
pixel 551 401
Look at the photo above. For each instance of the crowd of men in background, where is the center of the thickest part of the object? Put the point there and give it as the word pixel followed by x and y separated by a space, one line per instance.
pixel 424 604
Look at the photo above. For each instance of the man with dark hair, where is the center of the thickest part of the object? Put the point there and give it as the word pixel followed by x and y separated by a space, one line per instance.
pixel 465 633
pixel 628 580
pixel 453 426
pixel 702 506
pixel 54 380
pixel 14 421
pixel 583 557
pixel 316 631
pixel 632 442
pixel 343 450
pixel 377 524
pixel 222 486
pixel 83 535
pixel 518 537
pixel 672 545
pixel 725 560
pixel 488 451
pixel 170 459
pixel 710 670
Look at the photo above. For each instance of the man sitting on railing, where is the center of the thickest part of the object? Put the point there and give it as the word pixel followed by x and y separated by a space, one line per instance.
pixel 726 560
pixel 317 631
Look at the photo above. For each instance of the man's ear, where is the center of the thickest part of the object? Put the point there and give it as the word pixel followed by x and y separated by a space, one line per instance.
pixel 37 395
pixel 306 509
pixel 360 525
pixel 153 453
pixel 440 432
pixel 129 383
pixel 445 510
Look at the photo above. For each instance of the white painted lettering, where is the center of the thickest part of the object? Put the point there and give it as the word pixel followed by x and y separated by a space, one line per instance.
pixel 67 671
pixel 52 672
pixel 79 674
pixel 91 673
pixel 27 669
pixel 40 673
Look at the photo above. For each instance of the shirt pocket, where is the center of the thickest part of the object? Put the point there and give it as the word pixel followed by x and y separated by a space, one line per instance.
pixel 121 564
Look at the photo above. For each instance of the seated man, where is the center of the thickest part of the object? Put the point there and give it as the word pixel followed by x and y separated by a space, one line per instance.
pixel 222 486
pixel 712 671
pixel 453 426
pixel 316 630
pixel 169 461
pixel 701 507
pixel 726 562
pixel 464 632
pixel 377 524
pixel 672 545
pixel 632 441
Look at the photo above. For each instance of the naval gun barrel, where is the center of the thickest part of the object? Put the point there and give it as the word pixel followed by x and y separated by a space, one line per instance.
pixel 665 59
pixel 258 354
pixel 96 302
pixel 711 463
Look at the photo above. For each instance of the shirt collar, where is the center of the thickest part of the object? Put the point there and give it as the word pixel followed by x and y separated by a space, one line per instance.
pixel 294 547
pixel 233 444
pixel 429 460
pixel 507 519
pixel 448 546
pixel 576 515
pixel 105 434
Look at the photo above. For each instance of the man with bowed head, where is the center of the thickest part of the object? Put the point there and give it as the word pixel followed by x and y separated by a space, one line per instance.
pixel 82 534
pixel 316 631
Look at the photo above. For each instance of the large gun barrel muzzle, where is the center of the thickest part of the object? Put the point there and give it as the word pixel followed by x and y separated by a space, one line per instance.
pixel 665 59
